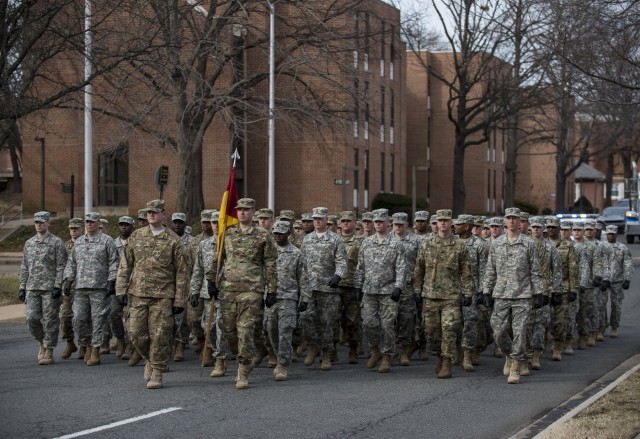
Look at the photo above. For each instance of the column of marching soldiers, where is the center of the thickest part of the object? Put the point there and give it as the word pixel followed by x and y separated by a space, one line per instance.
pixel 287 287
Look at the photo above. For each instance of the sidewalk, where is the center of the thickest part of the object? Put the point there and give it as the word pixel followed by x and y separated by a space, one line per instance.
pixel 12 313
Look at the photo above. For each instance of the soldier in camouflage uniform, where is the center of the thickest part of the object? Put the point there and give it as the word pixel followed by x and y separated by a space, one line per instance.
pixel 478 222
pixel 249 257
pixel 43 261
pixel 367 224
pixel 421 224
pixel 181 326
pixel 66 311
pixel 153 280
pixel 566 230
pixel 423 232
pixel 92 266
pixel 512 280
pixel 126 227
pixel 602 249
pixel 378 281
pixel 585 319
pixel 305 330
pixel 477 250
pixel 551 273
pixel 524 223
pixel 620 270
pixel 325 260
pixel 282 306
pixel 407 305
pixel 142 218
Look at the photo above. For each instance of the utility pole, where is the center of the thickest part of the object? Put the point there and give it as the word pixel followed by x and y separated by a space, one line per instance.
pixel 41 140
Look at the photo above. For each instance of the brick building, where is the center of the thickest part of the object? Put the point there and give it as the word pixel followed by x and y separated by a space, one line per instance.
pixel 368 148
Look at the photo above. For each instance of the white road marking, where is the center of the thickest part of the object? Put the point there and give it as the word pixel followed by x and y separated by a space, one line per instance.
pixel 119 423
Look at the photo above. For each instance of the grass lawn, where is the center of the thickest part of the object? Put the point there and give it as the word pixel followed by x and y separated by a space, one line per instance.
pixel 9 290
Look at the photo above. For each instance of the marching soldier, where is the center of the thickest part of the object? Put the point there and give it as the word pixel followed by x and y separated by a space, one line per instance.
pixel 66 311
pixel 620 269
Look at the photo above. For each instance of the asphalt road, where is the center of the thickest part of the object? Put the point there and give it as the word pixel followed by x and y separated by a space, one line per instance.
pixel 349 401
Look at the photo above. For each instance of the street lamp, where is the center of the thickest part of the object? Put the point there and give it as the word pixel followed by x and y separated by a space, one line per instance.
pixel 41 140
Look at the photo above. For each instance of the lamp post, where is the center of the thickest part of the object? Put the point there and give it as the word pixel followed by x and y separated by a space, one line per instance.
pixel 415 168
pixel 272 106
pixel 41 140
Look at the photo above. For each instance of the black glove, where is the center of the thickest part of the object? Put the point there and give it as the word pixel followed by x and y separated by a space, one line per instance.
pixel 573 296
pixel 56 293
pixel 538 301
pixel 395 294
pixel 111 288
pixel 467 300
pixel 302 306
pixel 212 290
pixel 176 310
pixel 605 285
pixel 583 290
pixel 488 300
pixel 597 281
pixel 334 281
pixel 556 299
pixel 122 299
pixel 358 294
pixel 22 294
pixel 478 298
pixel 67 287
pixel 195 300
pixel 418 299
pixel 270 300
pixel 625 284
pixel 545 300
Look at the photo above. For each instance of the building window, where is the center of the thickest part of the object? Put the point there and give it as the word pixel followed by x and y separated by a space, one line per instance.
pixel 357 32
pixel 382 48
pixel 392 52
pixel 356 176
pixel 382 172
pixel 356 107
pixel 366 179
pixel 366 110
pixel 367 35
pixel 382 104
pixel 113 177
pixel 392 115
pixel 392 176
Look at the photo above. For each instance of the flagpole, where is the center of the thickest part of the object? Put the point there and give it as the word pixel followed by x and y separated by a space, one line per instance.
pixel 272 109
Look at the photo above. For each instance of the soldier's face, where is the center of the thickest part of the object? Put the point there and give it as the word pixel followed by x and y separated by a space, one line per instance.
pixel 348 226
pixel 156 219
pixel 461 229
pixel 307 226
pixel 476 230
pixel 91 227
pixel 495 231
pixel 577 234
pixel 245 215
pixel 74 232
pixel 206 228
pixel 214 228
pixel 421 226
pixel 367 226
pixel 42 227
pixel 434 227
pixel 444 227
pixel 126 229
pixel 611 238
pixel 566 233
pixel 380 227
pixel 588 233
pixel 265 222
pixel 552 231
pixel 486 232
pixel 513 223
pixel 320 224
pixel 400 229
pixel 537 232
pixel 178 226
pixel 524 226
pixel 282 239
pixel 142 222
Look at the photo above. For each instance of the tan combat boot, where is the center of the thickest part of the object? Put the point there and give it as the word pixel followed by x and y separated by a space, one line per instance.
pixel 404 356
pixel 272 361
pixel 535 360
pixel 506 369
pixel 82 352
pixel 439 364
pixel 47 357
pixel 556 351
pixel 475 357
pixel 314 351
pixel 524 368
pixel 155 382
pixel 326 361
pixel 41 352
pixel 514 373
pixel 135 358
pixel 147 371
pixel 206 357
pixel 445 370
pixel 94 359
pixel 568 347
pixel 374 358
pixel 613 333
pixel 128 351
pixel 423 354
pixel 600 335
pixel 582 342
pixel 178 351
pixel 242 380
pixel 120 347
pixel 591 340
pixel 69 349
pixel 280 373
pixel 385 366
pixel 467 363
pixel 301 349
pixel 353 354
pixel 220 369
pixel 104 349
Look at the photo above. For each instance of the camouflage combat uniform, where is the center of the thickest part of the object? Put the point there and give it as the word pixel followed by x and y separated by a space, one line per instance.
pixel 585 318
pixel 381 268
pixel 569 260
pixel 407 305
pixel 350 307
pixel 66 310
pixel 196 315
pixel 154 275
pixel 41 270
pixel 93 262
pixel 181 328
pixel 620 268
pixel 477 250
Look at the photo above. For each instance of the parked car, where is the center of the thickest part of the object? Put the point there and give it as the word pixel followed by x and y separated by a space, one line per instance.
pixel 613 216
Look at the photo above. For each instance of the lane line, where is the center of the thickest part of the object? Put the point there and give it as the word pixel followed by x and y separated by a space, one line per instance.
pixel 119 423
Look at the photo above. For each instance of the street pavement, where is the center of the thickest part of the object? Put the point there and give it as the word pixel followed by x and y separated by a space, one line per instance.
pixel 349 401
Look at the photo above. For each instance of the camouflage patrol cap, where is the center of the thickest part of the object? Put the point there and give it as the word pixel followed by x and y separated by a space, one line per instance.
pixel 332 219
pixel 496 221
pixel 486 224
pixel 125 220
pixel 612 229
pixel 254 219
pixel 380 215
pixel 578 226
pixel 400 218
pixel 479 220
pixel 465 219
pixel 104 223
pixel 288 214
pixel 205 215
pixel 524 216
pixel 421 215
pixel 347 215
pixel 142 214
pixel 75 222
pixel 512 211
pixel 443 214
pixel 536 221
pixel 281 227
pixel 297 224
pixel 566 225
pixel 434 219
pixel 367 216
pixel 306 217
pixel 156 206
pixel 265 212
pixel 246 203
pixel 552 222
pixel 179 216
pixel 599 226
pixel 319 212
pixel 92 216
pixel 41 217
pixel 215 216
pixel 589 225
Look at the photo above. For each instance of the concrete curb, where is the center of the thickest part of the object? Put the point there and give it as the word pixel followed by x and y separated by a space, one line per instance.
pixel 12 313
pixel 577 403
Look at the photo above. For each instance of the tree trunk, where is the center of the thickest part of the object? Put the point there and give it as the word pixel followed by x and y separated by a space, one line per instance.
pixel 609 180
pixel 15 151
pixel 511 163
pixel 458 175
pixel 561 165
pixel 190 195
